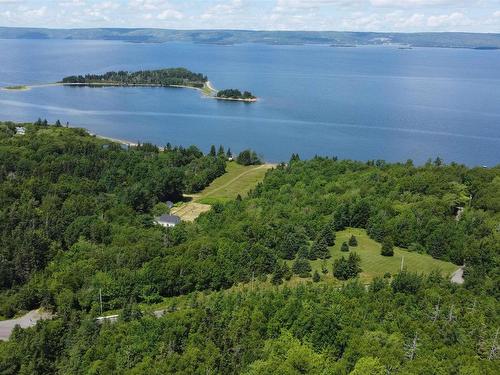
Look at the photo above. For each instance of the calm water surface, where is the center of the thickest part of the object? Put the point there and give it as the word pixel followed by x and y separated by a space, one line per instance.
pixel 360 103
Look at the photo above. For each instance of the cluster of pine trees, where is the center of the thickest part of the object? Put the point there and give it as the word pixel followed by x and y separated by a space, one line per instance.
pixel 160 77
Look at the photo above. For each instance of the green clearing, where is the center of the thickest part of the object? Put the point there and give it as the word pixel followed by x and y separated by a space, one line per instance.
pixel 238 179
pixel 373 264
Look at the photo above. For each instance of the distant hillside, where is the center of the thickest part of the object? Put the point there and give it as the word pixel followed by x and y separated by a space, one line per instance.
pixel 448 40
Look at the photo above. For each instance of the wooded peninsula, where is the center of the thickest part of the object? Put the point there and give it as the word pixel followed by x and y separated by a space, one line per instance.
pixel 169 77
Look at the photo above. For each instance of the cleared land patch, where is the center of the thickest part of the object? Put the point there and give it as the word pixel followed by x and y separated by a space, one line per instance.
pixel 373 264
pixel 238 179
pixel 190 211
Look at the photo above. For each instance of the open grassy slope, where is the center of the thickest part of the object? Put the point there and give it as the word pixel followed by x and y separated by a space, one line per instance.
pixel 373 264
pixel 238 179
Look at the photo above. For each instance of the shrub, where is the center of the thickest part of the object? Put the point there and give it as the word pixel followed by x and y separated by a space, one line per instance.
pixel 316 277
pixel 387 247
pixel 344 247
pixel 301 266
pixel 248 157
pixel 353 241
pixel 407 282
pixel 344 269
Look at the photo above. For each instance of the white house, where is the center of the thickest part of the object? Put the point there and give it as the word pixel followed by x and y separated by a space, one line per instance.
pixel 168 220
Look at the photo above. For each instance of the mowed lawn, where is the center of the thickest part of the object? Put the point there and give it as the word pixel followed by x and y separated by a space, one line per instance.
pixel 373 264
pixel 238 179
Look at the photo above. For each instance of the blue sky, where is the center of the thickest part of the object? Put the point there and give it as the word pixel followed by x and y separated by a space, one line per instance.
pixel 355 15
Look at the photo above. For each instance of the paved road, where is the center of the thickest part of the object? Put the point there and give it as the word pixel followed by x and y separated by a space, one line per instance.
pixel 25 321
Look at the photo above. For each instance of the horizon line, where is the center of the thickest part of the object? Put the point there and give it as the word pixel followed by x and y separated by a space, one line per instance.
pixel 250 30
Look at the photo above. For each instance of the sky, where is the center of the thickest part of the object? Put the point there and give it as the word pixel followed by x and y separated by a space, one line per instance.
pixel 348 15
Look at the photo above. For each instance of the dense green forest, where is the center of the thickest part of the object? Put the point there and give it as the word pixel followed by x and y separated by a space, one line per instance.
pixel 161 77
pixel 59 185
pixel 235 94
pixel 76 217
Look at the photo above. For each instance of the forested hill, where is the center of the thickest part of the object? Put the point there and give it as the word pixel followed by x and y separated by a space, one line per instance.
pixel 76 219
pixel 161 77
pixel 141 35
pixel 59 184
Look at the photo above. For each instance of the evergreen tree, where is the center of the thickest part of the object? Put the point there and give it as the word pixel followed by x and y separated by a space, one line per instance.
pixel 301 266
pixel 248 157
pixel 344 247
pixel 387 247
pixel 344 269
pixel 221 152
pixel 58 123
pixel 316 278
pixel 229 154
pixel 353 241
pixel 212 151
pixel 319 249
pixel 277 277
pixel 328 233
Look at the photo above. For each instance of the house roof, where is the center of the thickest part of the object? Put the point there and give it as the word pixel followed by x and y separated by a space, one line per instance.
pixel 171 219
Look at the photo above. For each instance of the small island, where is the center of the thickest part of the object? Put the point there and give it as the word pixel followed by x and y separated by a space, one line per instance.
pixel 235 94
pixel 169 77
pixel 18 87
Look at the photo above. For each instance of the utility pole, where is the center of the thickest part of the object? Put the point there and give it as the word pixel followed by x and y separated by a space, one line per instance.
pixel 100 298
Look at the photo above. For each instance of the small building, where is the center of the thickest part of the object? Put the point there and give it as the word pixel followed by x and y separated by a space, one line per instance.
pixel 20 130
pixel 168 221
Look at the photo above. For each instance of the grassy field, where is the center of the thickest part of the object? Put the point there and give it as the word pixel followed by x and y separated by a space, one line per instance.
pixel 238 179
pixel 373 264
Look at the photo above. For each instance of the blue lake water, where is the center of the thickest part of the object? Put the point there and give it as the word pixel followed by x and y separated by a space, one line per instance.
pixel 359 103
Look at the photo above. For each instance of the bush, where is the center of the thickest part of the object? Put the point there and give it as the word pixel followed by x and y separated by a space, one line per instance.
pixel 319 249
pixel 387 247
pixel 316 277
pixel 353 241
pixel 301 266
pixel 407 282
pixel 248 157
pixel 328 234
pixel 344 269
pixel 344 247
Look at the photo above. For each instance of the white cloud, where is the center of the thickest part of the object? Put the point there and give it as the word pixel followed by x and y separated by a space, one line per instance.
pixel 169 14
pixel 223 9
pixel 411 3
pixel 447 20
